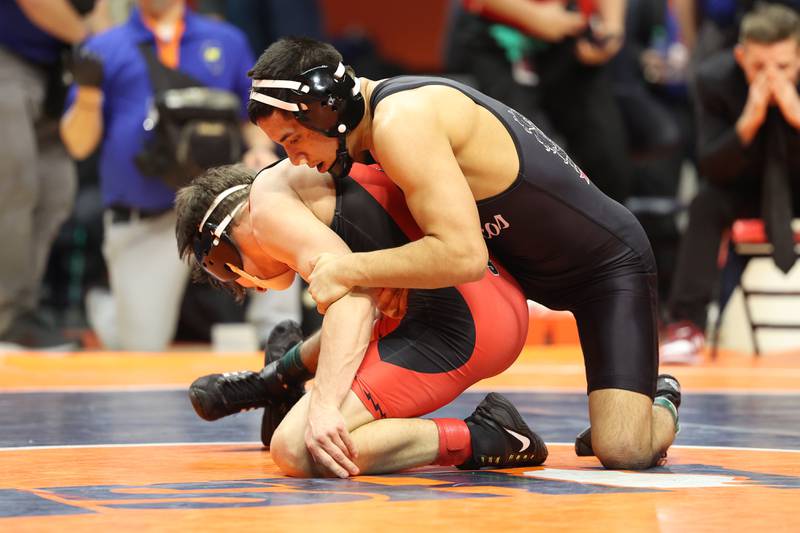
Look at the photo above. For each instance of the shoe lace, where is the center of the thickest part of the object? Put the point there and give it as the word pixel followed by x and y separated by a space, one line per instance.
pixel 510 459
pixel 243 387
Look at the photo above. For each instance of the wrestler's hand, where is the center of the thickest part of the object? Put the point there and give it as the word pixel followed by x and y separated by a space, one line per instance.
pixel 392 302
pixel 329 442
pixel 324 283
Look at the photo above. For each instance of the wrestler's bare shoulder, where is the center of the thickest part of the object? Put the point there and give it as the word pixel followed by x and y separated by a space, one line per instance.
pixel 273 187
pixel 429 106
pixel 482 145
pixel 286 179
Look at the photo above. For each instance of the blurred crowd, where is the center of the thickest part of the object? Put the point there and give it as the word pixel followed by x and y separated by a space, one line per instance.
pixel 685 111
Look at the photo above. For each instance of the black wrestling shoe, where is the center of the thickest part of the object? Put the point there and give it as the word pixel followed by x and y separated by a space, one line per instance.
pixel 583 443
pixel 501 438
pixel 666 386
pixel 218 395
pixel 283 336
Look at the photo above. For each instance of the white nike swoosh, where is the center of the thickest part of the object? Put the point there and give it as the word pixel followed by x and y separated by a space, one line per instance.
pixel 525 441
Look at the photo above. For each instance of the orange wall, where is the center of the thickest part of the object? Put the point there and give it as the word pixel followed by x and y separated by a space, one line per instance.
pixel 407 32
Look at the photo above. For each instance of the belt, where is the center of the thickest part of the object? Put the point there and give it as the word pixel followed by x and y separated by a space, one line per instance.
pixel 120 213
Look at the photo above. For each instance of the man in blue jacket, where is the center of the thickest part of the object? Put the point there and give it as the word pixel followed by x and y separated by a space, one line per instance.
pixel 107 109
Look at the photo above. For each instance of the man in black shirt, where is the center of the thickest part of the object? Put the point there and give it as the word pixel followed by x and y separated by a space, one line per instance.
pixel 748 113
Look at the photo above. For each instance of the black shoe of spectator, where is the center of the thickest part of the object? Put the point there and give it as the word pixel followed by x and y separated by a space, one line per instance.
pixel 32 331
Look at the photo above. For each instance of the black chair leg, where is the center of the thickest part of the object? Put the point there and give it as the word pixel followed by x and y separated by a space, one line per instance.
pixel 715 335
pixel 749 315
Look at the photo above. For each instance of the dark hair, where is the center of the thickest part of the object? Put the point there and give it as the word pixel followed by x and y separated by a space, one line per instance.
pixel 770 23
pixel 191 204
pixel 284 60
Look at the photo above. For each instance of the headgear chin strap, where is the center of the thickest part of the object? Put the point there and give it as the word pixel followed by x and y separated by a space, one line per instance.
pixel 343 163
pixel 278 283
pixel 324 99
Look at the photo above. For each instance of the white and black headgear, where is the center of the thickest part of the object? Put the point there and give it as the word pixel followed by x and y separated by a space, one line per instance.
pixel 325 99
pixel 214 249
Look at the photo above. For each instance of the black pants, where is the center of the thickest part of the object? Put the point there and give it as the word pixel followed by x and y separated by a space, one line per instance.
pixel 711 212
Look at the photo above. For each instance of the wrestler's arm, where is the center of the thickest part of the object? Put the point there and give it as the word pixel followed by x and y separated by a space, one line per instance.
pixel 288 231
pixel 420 160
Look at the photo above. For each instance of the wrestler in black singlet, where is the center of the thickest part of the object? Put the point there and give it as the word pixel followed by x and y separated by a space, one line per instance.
pixel 570 247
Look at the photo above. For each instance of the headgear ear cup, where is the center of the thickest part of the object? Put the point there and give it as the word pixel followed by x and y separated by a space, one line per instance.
pixel 213 247
pixel 353 104
pixel 215 253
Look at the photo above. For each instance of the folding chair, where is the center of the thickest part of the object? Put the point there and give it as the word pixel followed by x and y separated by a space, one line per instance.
pixel 748 239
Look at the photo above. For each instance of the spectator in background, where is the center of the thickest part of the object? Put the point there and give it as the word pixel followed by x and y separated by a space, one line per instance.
pixel 748 114
pixel 655 58
pixel 37 178
pixel 650 82
pixel 711 26
pixel 107 108
pixel 548 60
pixel 265 21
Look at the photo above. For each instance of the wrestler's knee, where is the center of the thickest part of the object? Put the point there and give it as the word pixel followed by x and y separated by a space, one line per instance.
pixel 290 454
pixel 621 429
pixel 623 452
